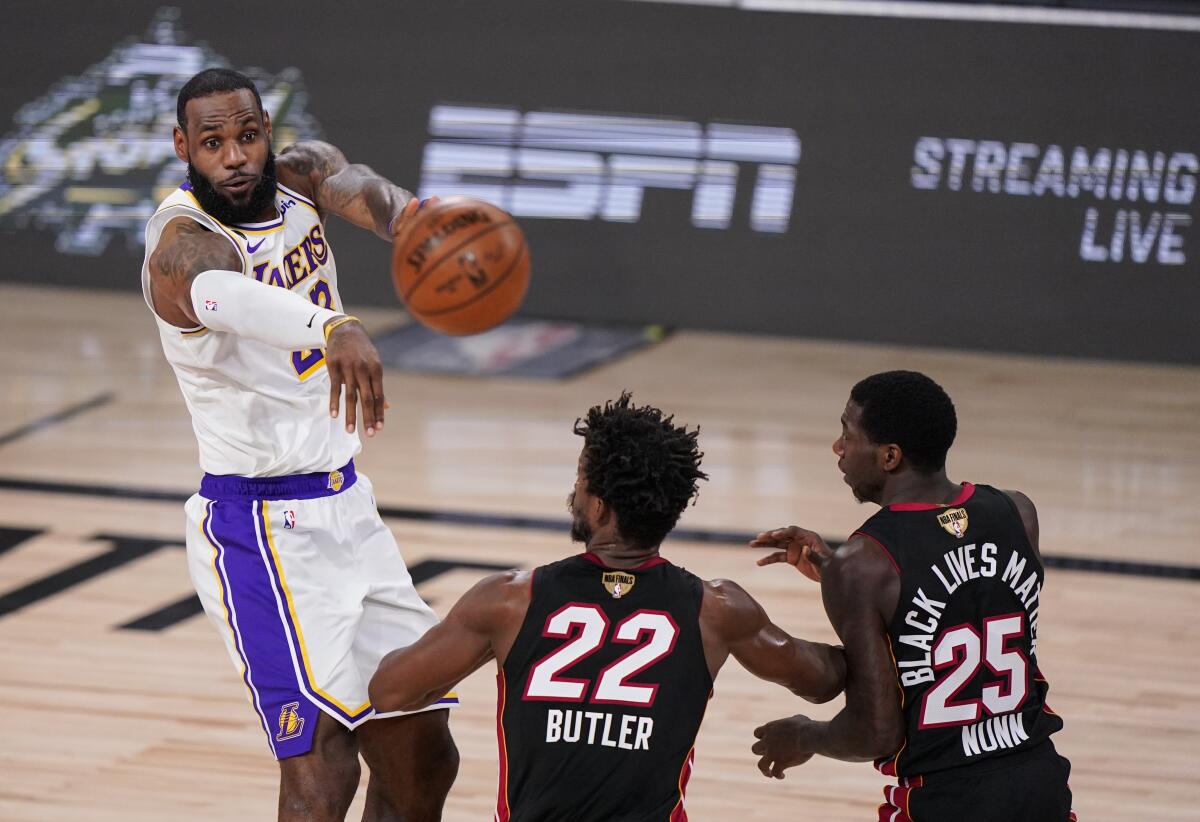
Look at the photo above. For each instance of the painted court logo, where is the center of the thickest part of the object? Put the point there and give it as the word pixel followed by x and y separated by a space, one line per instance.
pixel 92 157
pixel 291 724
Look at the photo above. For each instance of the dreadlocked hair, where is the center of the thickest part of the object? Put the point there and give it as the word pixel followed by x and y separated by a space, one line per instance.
pixel 642 465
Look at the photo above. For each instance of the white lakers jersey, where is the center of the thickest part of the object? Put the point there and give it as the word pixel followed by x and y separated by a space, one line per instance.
pixel 258 411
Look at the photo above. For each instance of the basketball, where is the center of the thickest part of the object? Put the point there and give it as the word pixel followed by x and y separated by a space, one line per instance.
pixel 462 267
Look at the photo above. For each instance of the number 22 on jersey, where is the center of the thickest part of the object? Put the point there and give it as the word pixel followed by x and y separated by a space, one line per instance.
pixel 652 633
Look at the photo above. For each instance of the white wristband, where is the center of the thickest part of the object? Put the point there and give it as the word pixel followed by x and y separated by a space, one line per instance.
pixel 231 302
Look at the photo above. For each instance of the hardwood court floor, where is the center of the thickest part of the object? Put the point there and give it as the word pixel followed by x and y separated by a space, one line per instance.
pixel 111 723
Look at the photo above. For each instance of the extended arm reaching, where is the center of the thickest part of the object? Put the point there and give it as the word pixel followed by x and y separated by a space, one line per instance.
pixel 858 586
pixel 734 623
pixel 352 191
pixel 480 626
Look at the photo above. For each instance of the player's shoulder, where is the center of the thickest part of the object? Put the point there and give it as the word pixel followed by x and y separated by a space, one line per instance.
pixel 1020 499
pixel 502 584
pixel 495 600
pixel 186 244
pixel 725 593
pixel 730 606
pixel 861 558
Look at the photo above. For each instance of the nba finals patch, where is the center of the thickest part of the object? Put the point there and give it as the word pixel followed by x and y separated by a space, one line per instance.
pixel 617 583
pixel 336 479
pixel 290 722
pixel 954 521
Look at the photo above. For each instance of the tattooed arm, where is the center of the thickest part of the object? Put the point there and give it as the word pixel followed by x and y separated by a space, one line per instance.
pixel 351 190
pixel 184 250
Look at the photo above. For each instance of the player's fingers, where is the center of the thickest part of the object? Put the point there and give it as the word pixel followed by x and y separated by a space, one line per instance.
pixel 764 765
pixel 367 398
pixel 759 748
pixel 771 559
pixel 760 731
pixel 351 406
pixel 377 392
pixel 335 387
pixel 777 771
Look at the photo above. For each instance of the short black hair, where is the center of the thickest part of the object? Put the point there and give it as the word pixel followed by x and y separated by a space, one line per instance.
pixel 911 410
pixel 642 465
pixel 212 81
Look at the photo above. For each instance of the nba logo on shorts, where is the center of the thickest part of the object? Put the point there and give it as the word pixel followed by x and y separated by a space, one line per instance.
pixel 290 722
pixel 210 305
pixel 289 519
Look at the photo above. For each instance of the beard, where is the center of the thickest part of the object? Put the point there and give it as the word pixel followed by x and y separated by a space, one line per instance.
pixel 581 531
pixel 217 205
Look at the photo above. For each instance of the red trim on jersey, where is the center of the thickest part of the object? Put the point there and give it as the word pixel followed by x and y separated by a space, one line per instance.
pixel 898 800
pixel 967 490
pixel 502 808
pixel 888 553
pixel 679 813
pixel 595 560
pixel 888 767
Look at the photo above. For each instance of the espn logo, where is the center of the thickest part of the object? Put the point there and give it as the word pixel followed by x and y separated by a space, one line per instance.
pixel 571 166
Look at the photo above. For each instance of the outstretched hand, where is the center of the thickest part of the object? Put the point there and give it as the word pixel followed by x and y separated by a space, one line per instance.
pixel 402 221
pixel 804 550
pixel 783 744
pixel 354 363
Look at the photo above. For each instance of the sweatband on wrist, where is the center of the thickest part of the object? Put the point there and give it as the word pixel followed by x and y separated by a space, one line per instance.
pixel 230 302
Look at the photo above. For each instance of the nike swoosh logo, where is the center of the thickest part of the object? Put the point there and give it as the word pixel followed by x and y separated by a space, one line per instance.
pixel 252 248
pixel 310 319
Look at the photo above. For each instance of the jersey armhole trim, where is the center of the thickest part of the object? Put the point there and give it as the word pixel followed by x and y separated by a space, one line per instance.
pixel 199 330
pixel 882 547
pixel 291 192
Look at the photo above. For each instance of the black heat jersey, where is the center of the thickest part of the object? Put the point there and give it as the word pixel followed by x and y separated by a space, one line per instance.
pixel 602 694
pixel 964 635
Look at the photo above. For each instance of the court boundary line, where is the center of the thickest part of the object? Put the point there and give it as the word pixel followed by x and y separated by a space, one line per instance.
pixel 49 420
pixel 477 519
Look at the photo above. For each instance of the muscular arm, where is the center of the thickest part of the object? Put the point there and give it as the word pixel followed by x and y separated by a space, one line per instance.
pixel 481 626
pixel 732 622
pixel 351 190
pixel 860 589
pixel 184 250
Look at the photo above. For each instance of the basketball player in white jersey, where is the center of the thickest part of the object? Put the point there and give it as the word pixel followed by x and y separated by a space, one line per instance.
pixel 284 542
